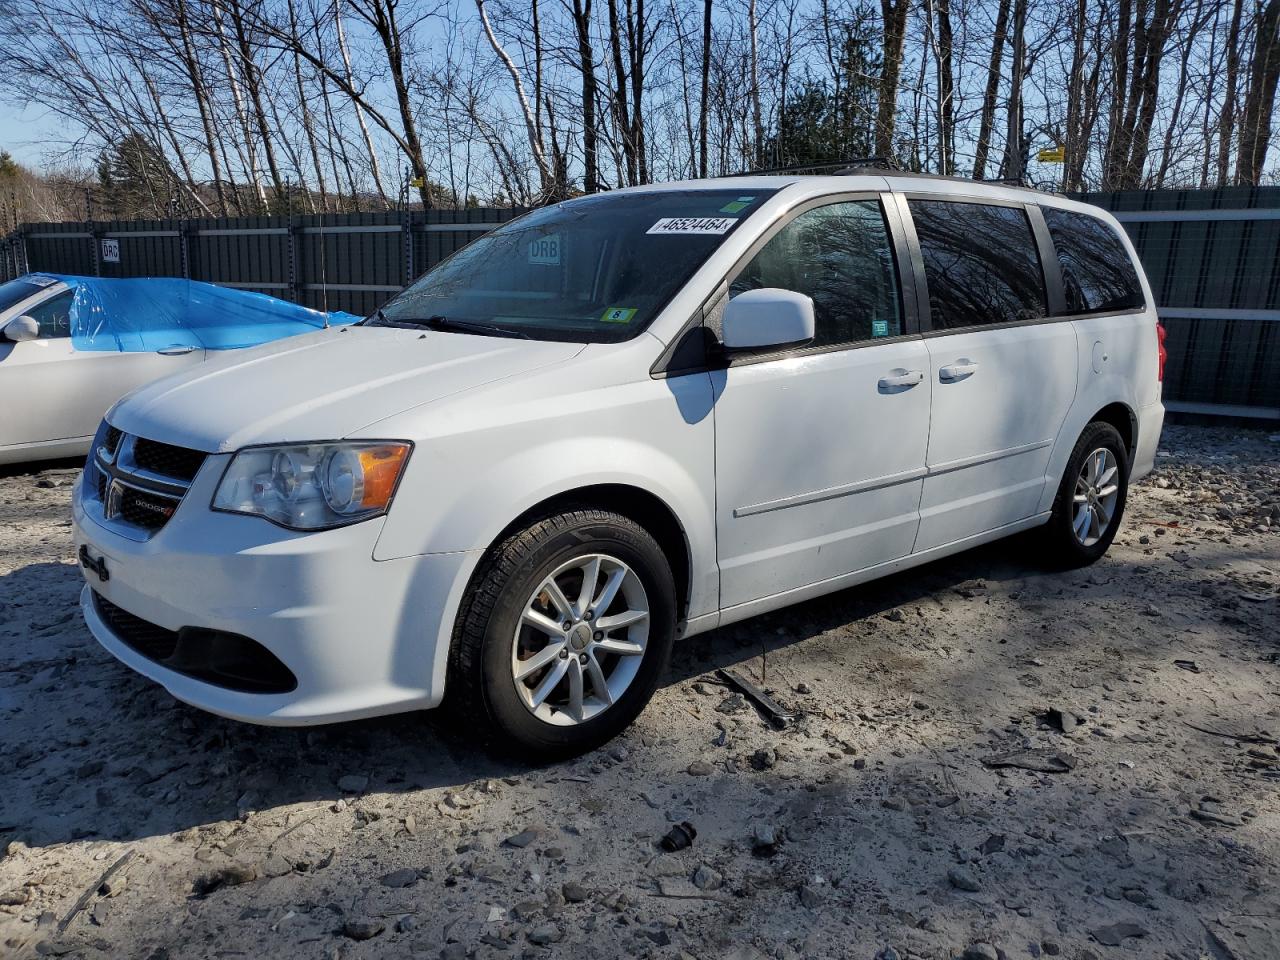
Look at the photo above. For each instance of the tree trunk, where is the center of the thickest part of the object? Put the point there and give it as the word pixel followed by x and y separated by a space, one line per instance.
pixel 621 110
pixel 894 15
pixel 946 91
pixel 586 66
pixel 1260 101
pixel 375 168
pixel 1012 168
pixel 987 122
pixel 1226 119
pixel 706 88
pixel 637 44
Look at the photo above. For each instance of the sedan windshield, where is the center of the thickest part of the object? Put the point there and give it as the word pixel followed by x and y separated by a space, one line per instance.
pixel 15 291
pixel 595 269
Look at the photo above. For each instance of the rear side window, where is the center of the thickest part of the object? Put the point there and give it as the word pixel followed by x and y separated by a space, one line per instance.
pixel 1097 274
pixel 981 263
pixel 840 256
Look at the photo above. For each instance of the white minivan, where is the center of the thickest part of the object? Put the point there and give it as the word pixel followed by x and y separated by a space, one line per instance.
pixel 615 422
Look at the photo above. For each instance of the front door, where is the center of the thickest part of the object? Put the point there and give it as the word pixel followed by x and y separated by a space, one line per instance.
pixel 52 391
pixel 820 450
pixel 1003 376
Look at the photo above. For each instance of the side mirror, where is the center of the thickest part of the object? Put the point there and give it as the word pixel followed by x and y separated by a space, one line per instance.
pixel 22 328
pixel 767 318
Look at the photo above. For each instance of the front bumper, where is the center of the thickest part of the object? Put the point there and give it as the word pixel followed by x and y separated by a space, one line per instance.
pixel 361 636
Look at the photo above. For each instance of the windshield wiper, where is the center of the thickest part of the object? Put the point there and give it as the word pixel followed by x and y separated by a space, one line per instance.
pixel 441 322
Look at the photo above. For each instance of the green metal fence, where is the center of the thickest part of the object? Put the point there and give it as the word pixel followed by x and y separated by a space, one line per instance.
pixel 1213 259
pixel 351 262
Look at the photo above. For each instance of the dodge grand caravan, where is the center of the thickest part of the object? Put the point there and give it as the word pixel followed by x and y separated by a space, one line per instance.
pixel 612 423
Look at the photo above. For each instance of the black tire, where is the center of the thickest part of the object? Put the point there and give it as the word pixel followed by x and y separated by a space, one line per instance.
pixel 481 689
pixel 1060 547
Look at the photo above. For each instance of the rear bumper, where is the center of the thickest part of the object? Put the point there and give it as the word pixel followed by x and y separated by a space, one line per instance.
pixel 1150 422
pixel 362 637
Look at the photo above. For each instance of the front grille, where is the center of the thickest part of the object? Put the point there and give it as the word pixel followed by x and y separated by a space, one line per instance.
pixel 145 509
pixel 154 643
pixel 223 659
pixel 163 458
pixel 137 482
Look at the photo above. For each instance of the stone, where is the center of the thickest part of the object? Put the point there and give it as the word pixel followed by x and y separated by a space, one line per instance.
pixel 980 951
pixel 276 866
pixel 363 929
pixel 527 909
pixel 705 878
pixel 699 768
pixel 1113 934
pixel 764 759
pixel 810 896
pixel 545 935
pixel 962 879
pixel 406 877
pixel 453 951
pixel 230 875
pixel 575 892
pixel 353 783
pixel 521 839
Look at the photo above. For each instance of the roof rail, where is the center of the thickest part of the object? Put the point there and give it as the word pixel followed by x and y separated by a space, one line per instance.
pixel 835 169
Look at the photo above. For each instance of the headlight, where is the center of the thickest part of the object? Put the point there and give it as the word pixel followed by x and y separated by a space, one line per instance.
pixel 313 486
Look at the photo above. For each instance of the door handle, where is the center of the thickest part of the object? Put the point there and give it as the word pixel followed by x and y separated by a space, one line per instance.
pixel 957 371
pixel 177 350
pixel 900 378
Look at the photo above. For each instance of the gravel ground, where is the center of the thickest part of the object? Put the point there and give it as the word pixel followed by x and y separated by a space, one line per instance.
pixel 877 825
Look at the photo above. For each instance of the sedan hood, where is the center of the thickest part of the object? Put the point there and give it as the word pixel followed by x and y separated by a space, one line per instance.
pixel 320 386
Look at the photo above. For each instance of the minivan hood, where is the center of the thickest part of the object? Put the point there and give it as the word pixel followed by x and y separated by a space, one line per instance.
pixel 325 385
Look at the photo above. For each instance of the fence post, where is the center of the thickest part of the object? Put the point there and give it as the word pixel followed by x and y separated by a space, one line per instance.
pixel 184 249
pixel 95 241
pixel 406 229
pixel 295 284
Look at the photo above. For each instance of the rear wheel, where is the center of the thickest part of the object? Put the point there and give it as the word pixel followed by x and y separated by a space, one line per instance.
pixel 1091 499
pixel 565 633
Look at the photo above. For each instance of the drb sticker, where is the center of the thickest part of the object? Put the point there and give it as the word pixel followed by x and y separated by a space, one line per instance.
pixel 545 250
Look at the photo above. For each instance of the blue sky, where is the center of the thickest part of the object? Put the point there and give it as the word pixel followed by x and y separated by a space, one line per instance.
pixel 24 132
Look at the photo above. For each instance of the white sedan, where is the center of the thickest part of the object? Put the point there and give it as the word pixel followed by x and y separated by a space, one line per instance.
pixel 72 346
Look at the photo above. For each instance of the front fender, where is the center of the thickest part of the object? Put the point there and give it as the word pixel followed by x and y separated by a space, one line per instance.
pixel 464 488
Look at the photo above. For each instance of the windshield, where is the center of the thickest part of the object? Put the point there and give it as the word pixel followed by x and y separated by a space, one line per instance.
pixel 15 291
pixel 595 269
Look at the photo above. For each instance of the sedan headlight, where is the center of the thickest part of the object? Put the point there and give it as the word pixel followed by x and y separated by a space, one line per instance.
pixel 313 486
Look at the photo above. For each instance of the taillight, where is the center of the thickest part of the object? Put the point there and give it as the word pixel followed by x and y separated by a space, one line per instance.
pixel 1161 353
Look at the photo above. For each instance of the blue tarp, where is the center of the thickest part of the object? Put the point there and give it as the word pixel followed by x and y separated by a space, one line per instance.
pixel 149 313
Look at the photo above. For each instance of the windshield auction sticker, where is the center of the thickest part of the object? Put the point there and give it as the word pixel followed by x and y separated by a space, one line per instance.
pixel 693 225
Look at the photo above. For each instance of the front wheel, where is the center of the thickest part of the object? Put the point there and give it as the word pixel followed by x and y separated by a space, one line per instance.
pixel 564 634
pixel 1091 499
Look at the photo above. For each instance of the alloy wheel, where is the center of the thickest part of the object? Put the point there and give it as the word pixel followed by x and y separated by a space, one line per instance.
pixel 1097 490
pixel 581 639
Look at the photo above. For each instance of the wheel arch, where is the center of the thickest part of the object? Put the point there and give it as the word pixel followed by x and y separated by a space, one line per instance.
pixel 1122 417
pixel 643 506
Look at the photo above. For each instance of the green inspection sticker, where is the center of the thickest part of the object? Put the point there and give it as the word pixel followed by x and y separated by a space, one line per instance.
pixel 618 315
pixel 879 328
pixel 736 206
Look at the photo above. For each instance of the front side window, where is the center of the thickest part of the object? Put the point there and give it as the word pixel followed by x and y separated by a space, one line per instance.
pixel 54 316
pixel 839 255
pixel 980 262
pixel 595 269
pixel 1097 274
